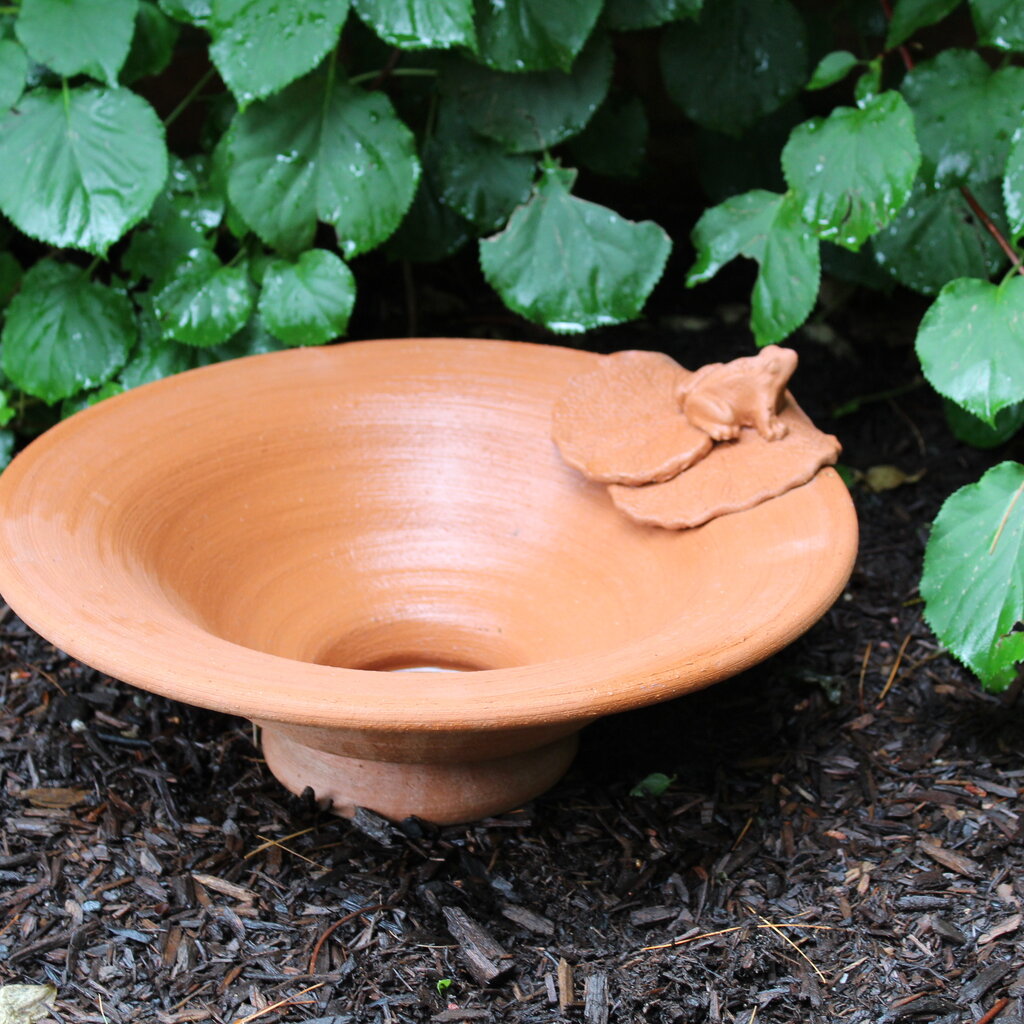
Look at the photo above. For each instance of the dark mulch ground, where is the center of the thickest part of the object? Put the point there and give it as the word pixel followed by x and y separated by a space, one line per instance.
pixel 842 841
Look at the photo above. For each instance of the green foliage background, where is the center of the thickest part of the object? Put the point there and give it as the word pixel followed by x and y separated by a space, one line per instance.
pixel 418 127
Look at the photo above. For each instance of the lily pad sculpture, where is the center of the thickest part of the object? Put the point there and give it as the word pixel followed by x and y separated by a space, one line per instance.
pixel 679 448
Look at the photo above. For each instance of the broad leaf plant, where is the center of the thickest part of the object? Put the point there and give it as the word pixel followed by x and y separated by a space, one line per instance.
pixel 337 127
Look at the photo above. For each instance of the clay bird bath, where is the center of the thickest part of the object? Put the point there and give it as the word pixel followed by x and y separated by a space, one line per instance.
pixel 279 537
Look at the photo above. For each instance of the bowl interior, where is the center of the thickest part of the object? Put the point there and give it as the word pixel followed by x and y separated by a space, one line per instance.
pixel 286 530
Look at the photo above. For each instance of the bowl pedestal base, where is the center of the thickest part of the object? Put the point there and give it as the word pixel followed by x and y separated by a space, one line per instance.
pixel 444 793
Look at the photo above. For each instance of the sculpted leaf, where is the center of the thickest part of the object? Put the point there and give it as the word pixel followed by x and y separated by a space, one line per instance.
pixel 623 422
pixel 738 475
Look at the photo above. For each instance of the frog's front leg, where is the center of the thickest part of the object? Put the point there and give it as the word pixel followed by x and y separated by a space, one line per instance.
pixel 767 422
pixel 712 414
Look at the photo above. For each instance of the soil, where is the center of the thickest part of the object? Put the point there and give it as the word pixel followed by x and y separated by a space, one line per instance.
pixel 840 839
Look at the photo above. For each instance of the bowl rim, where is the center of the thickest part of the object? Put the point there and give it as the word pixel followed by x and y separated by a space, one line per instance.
pixel 239 680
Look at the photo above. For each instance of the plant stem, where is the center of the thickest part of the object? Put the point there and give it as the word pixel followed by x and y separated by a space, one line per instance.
pixel 189 97
pixel 96 260
pixel 972 201
pixel 908 61
pixel 992 229
pixel 368 76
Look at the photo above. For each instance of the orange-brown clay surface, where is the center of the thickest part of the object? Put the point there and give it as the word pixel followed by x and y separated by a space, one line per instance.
pixel 680 448
pixel 273 537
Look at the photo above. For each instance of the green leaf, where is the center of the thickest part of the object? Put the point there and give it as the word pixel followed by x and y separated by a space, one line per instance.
pixel 260 46
pixel 474 176
pixel 86 37
pixel 155 359
pixel 572 265
pixel 156 252
pixel 1013 184
pixel 727 165
pixel 420 24
pixel 856 267
pixel 965 115
pixel 220 161
pixel 533 35
pixel 308 302
pixel 854 169
pixel 654 784
pixel 206 304
pixel 936 238
pixel 615 140
pixel 744 59
pixel 322 150
pixel 252 340
pixel 910 15
pixel 80 167
pixel 869 85
pixel 13 71
pixel 191 12
pixel 6 412
pixel 832 68
pixel 529 112
pixel 152 44
pixel 765 227
pixel 999 23
pixel 630 15
pixel 431 230
pixel 6 447
pixel 10 278
pixel 973 580
pixel 189 195
pixel 978 433
pixel 87 399
pixel 64 333
pixel 971 344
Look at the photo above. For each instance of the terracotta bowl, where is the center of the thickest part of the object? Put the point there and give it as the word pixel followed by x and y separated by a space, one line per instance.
pixel 281 536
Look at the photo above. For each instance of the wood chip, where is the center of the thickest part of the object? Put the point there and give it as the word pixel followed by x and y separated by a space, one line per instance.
pixel 1005 927
pixel 950 859
pixel 24 893
pixel 595 998
pixel 487 960
pixel 984 981
pixel 646 916
pixel 550 989
pixel 947 931
pixel 58 797
pixel 226 888
pixel 566 995
pixel 529 920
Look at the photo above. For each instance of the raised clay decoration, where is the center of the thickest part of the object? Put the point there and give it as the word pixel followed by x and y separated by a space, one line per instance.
pixel 680 448
pixel 721 398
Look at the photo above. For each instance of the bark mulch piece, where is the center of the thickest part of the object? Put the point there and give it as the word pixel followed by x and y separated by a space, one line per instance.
pixel 842 841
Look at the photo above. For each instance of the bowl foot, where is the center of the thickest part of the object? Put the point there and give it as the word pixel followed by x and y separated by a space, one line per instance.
pixel 444 793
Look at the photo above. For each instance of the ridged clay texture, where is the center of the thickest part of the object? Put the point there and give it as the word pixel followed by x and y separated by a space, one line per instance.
pixel 273 537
